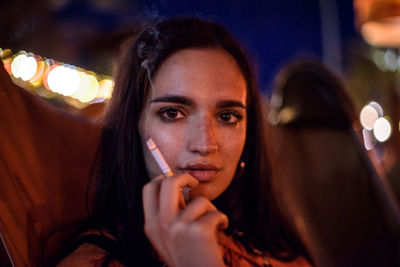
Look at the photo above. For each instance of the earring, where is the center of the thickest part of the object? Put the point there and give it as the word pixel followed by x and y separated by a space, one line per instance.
pixel 240 168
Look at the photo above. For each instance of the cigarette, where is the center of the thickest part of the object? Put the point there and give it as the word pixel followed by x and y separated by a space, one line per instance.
pixel 166 170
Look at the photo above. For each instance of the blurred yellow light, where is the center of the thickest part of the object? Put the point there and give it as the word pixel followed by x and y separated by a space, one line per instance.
pixel 93 90
pixel 44 92
pixel 16 65
pixel 5 53
pixel 89 88
pixel 368 117
pixel 83 85
pixel 51 78
pixel 36 80
pixel 63 80
pixel 287 114
pixel 106 87
pixel 382 129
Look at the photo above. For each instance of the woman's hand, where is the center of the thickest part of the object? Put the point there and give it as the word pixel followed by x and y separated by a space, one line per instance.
pixel 183 236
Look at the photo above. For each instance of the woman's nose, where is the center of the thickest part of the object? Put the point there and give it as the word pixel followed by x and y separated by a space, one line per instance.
pixel 202 139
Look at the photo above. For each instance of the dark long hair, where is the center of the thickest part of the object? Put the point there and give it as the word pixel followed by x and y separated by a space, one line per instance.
pixel 121 173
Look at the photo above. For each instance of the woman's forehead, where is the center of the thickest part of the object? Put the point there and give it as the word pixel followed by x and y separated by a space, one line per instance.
pixel 200 73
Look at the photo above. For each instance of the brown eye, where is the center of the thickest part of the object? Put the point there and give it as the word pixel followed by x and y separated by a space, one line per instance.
pixel 230 117
pixel 171 114
pixel 226 117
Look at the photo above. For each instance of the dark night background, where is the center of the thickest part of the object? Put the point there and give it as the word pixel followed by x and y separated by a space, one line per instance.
pixel 274 31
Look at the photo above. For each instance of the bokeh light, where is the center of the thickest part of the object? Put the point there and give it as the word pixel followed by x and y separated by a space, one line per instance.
pixel 84 84
pixel 91 91
pixel 368 117
pixel 49 65
pixel 49 78
pixel 63 80
pixel 6 57
pixel 28 68
pixel 88 88
pixel 377 107
pixel 378 58
pixel 390 60
pixel 16 64
pixel 106 87
pixel 369 140
pixel 382 129
pixel 5 53
pixel 36 80
pixel 384 33
pixel 7 65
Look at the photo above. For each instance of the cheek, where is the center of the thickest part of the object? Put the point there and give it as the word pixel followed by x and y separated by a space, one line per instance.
pixel 234 143
pixel 168 141
pixel 233 153
pixel 168 145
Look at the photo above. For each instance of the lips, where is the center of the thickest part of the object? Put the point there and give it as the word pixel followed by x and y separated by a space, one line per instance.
pixel 200 171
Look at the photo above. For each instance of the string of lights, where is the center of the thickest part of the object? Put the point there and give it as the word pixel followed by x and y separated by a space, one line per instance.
pixel 49 78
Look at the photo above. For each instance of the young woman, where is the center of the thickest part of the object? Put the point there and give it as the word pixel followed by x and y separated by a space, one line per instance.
pixel 186 84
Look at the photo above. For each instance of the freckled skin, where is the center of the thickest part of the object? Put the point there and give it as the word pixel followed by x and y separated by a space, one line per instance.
pixel 197 133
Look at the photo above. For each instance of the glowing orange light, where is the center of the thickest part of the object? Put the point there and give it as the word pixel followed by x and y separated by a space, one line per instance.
pixel 83 86
pixel 48 68
pixel 91 91
pixel 36 80
pixel 106 87
pixel 7 65
pixel 378 21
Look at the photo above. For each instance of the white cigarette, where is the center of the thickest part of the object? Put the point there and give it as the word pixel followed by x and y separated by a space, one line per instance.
pixel 166 170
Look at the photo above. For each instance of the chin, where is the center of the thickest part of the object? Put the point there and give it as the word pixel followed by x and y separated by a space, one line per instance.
pixel 204 192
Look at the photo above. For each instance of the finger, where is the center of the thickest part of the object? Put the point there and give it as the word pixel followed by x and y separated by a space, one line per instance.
pixel 150 197
pixel 186 193
pixel 196 208
pixel 215 219
pixel 182 202
pixel 170 193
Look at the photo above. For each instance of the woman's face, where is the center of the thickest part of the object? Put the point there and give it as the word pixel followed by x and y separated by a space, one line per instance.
pixel 196 115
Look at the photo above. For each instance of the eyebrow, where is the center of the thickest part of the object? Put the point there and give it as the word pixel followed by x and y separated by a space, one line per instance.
pixel 230 104
pixel 189 102
pixel 174 99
